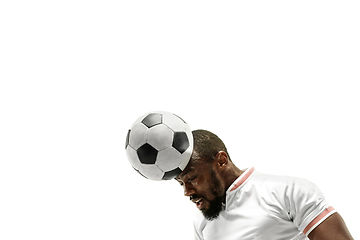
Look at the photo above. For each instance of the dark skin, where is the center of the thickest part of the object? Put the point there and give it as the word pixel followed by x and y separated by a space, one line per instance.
pixel 332 228
pixel 196 177
pixel 192 180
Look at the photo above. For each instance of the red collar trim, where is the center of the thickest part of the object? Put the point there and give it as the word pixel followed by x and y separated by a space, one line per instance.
pixel 238 182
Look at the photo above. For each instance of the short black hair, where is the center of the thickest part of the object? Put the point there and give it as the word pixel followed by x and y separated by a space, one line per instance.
pixel 207 144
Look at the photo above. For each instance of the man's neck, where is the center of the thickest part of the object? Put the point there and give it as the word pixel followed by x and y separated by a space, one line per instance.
pixel 231 175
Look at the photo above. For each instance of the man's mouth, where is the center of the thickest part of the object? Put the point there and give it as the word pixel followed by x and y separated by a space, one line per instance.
pixel 199 203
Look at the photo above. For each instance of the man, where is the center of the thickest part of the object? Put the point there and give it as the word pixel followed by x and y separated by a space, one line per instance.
pixel 237 204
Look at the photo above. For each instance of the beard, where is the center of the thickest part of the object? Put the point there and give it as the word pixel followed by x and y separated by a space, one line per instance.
pixel 213 212
pixel 216 205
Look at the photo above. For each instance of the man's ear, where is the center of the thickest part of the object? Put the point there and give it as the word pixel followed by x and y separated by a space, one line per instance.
pixel 222 159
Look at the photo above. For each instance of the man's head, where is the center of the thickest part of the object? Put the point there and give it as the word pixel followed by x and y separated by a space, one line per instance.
pixel 208 174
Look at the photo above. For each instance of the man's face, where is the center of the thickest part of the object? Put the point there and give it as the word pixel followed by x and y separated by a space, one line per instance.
pixel 204 187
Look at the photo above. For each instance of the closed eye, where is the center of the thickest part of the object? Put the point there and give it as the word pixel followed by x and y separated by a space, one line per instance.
pixel 190 179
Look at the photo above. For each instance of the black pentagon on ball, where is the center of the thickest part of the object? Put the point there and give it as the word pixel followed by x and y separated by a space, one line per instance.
pixel 180 142
pixel 147 154
pixel 172 174
pixel 152 119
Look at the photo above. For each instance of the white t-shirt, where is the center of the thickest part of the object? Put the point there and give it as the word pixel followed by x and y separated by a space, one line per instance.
pixel 266 207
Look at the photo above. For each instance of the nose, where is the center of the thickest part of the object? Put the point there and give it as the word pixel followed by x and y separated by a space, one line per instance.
pixel 188 191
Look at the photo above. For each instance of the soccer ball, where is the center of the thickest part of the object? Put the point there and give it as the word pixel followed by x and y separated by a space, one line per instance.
pixel 159 145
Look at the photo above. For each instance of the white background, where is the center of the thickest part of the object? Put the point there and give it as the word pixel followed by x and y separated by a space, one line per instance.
pixel 278 81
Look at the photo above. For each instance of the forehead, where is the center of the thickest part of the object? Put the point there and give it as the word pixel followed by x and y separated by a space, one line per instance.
pixel 193 166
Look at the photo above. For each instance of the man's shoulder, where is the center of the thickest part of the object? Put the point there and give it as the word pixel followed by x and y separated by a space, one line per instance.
pixel 268 187
pixel 271 180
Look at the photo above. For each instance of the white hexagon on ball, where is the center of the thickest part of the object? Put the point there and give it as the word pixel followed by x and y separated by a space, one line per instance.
pixel 151 170
pixel 174 122
pixel 138 135
pixel 168 159
pixel 133 157
pixel 160 137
